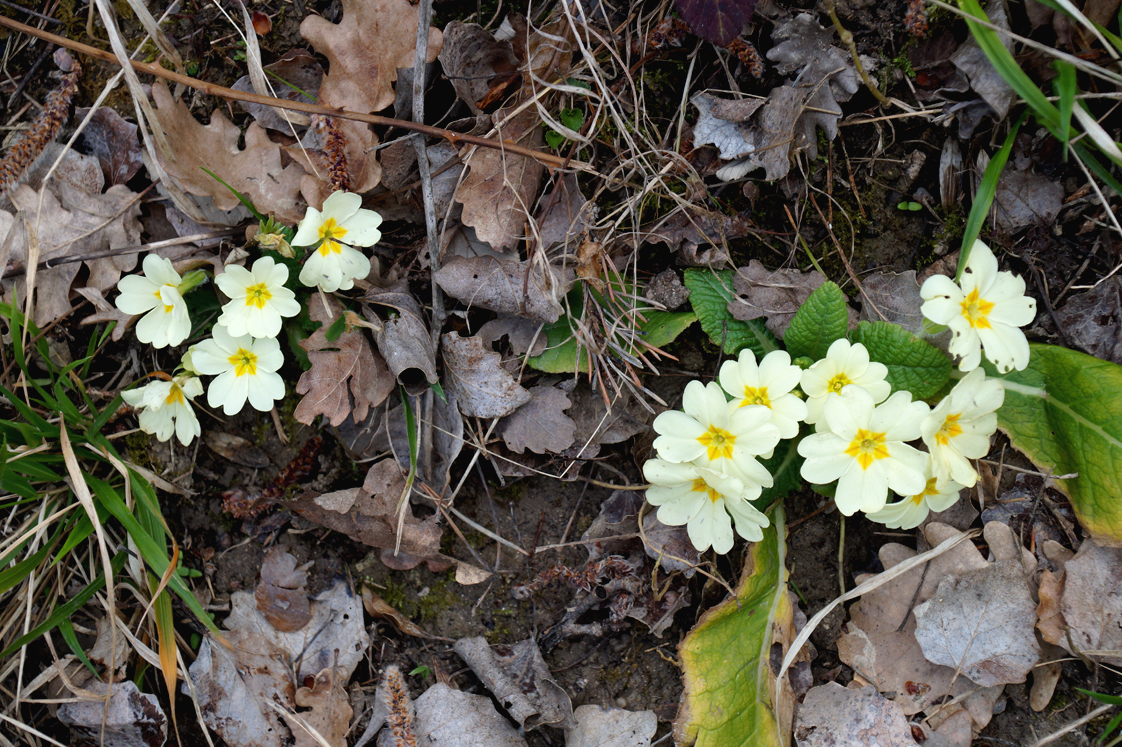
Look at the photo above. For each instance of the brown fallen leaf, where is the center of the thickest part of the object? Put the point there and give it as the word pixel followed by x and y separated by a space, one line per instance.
pixel 256 170
pixel 103 311
pixel 565 214
pixel 380 609
pixel 403 339
pixel 475 374
pixel 474 61
pixel 1092 601
pixel 1026 199
pixel 540 425
pixel 451 718
pixel 113 142
pixel 776 295
pixel 525 336
pixel 519 678
pixel 71 224
pixel 517 288
pixel 130 718
pixel 237 450
pixel 325 708
pixel 597 726
pixel 499 190
pixel 701 238
pixel 295 74
pixel 280 594
pixel 368 514
pixel 981 624
pixel 1092 321
pixel 836 716
pixel 347 375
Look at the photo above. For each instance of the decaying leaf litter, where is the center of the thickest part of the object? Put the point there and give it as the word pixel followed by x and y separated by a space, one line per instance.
pixel 540 274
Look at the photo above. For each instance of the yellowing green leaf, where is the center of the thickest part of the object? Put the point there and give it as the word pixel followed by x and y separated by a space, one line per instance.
pixel 710 293
pixel 731 697
pixel 1065 413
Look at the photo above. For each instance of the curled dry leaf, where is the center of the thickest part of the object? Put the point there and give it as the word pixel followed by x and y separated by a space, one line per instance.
pixel 113 142
pixel 597 726
pixel 255 170
pixel 517 288
pixel 499 190
pixel 518 677
pixel 475 375
pixel 130 718
pixel 541 424
pixel 981 624
pixel 237 450
pixel 368 514
pixel 836 716
pixel 475 61
pixel 403 339
pixel 347 377
pixel 380 609
pixel 280 594
pixel 72 224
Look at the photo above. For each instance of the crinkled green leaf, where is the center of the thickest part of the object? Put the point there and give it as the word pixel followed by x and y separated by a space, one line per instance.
pixel 730 689
pixel 822 319
pixel 1065 413
pixel 914 365
pixel 710 294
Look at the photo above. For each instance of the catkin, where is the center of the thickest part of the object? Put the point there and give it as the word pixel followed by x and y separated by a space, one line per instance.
pixel 56 110
pixel 400 719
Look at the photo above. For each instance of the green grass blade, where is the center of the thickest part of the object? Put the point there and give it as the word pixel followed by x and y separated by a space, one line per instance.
pixel 984 198
pixel 1064 87
pixel 67 610
pixel 242 198
pixel 71 639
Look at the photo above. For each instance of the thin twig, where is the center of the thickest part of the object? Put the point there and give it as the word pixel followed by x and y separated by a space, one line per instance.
pixel 455 138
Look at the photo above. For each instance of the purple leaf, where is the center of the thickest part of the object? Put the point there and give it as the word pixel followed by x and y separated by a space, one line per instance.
pixel 716 21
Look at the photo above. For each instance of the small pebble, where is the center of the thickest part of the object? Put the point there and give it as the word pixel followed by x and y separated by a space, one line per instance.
pixel 621 702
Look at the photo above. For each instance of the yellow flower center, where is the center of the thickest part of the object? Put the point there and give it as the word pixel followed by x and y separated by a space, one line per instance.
pixel 329 231
pixel 175 396
pixel 718 441
pixel 244 362
pixel 754 396
pixel 929 490
pixel 700 486
pixel 867 447
pixel 839 382
pixel 167 309
pixel 950 429
pixel 977 310
pixel 257 295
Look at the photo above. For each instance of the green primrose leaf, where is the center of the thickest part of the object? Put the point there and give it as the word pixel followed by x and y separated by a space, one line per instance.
pixel 730 689
pixel 1065 413
pixel 710 294
pixel 784 466
pixel 822 319
pixel 914 365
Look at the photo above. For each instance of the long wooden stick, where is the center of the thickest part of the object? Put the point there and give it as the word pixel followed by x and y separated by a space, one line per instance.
pixel 455 138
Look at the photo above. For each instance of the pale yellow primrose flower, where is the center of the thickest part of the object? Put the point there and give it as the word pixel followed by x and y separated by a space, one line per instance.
pixel 768 384
pixel 167 408
pixel 710 435
pixel 258 298
pixel 910 512
pixel 702 499
pixel 986 311
pixel 342 224
pixel 865 450
pixel 844 366
pixel 960 426
pixel 246 368
pixel 156 295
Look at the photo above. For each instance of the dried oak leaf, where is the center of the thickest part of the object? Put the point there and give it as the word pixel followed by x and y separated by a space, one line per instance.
pixel 72 224
pixel 475 374
pixel 346 368
pixel 1026 199
pixel 255 170
pixel 473 59
pixel 1092 601
pixel 280 594
pixel 565 215
pixel 716 21
pixel 113 142
pixel 541 424
pixel 981 624
pixel 325 708
pixel 518 288
pixel 500 187
pixel 776 295
pixel 368 514
pixel 296 77
pixel 836 716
